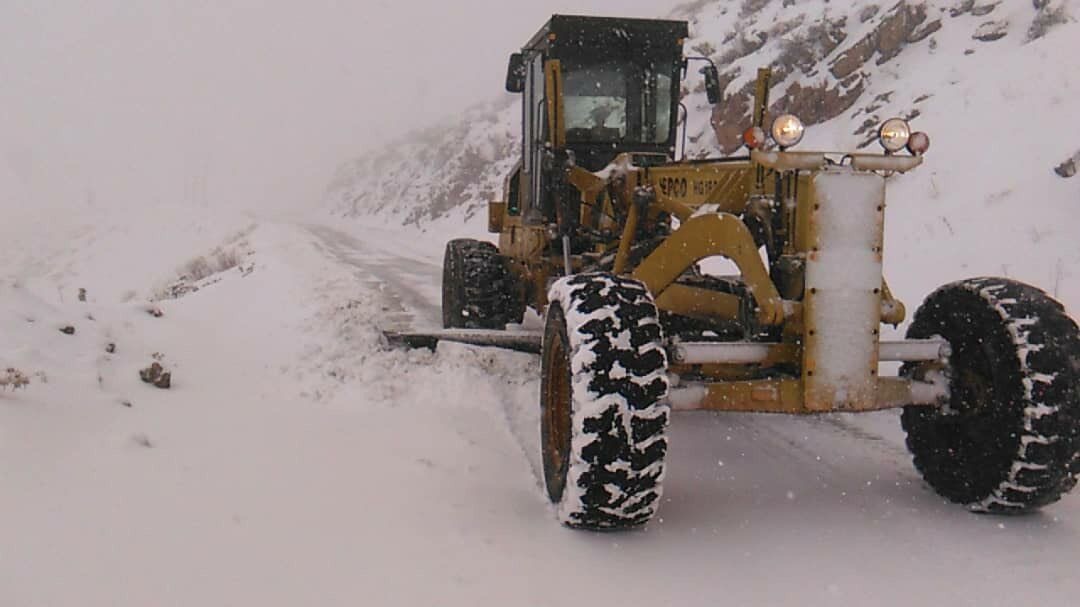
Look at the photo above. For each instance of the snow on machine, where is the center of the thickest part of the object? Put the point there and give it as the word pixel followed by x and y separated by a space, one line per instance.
pixel 602 232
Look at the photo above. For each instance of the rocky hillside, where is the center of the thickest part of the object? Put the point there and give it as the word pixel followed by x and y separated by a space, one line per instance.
pixel 846 66
pixel 828 58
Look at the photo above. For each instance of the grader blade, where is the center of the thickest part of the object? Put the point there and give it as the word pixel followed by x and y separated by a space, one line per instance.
pixel 520 341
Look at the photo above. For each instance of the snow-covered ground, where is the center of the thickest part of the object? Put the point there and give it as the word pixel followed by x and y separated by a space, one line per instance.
pixel 297 461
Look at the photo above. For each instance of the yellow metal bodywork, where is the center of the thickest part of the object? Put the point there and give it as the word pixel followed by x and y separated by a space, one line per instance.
pixel 706 236
pixel 698 303
pixel 496 214
pixel 786 396
pixel 842 299
pixel 555 111
pixel 684 188
pixel 520 242
pixel 709 201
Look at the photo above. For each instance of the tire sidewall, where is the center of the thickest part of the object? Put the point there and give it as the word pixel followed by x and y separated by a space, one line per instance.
pixel 555 473
pixel 453 288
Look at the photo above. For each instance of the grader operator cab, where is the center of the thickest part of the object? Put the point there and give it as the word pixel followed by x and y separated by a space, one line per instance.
pixel 602 231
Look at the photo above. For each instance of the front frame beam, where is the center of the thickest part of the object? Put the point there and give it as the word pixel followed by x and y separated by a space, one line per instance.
pixel 786 396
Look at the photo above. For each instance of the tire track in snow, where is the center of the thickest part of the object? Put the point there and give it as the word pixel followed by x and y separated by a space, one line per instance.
pixel 398 277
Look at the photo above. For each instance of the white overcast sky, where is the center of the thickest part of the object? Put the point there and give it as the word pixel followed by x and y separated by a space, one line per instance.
pixel 137 100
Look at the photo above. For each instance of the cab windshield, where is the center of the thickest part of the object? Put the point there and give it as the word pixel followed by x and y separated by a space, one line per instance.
pixel 615 102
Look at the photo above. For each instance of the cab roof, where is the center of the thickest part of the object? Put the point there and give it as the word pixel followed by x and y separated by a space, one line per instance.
pixel 579 31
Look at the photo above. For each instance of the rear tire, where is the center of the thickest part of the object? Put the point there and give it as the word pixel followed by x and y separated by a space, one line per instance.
pixel 604 414
pixel 1009 439
pixel 478 291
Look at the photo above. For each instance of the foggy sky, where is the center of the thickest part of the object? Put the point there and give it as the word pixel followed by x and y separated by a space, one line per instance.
pixel 249 104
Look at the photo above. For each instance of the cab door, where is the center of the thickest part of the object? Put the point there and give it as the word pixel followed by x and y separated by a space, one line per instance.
pixel 533 121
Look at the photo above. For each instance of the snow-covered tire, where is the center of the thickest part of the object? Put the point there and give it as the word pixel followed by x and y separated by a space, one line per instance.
pixel 1008 440
pixel 604 413
pixel 478 291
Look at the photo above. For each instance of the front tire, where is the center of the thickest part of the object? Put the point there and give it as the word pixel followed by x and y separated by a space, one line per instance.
pixel 604 414
pixel 1008 440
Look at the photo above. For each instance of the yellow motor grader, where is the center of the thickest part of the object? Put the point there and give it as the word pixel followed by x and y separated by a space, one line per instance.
pixel 604 233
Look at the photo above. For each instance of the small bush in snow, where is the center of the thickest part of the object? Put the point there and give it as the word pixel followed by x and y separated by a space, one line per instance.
pixel 14 378
pixel 194 274
pixel 197 269
pixel 219 260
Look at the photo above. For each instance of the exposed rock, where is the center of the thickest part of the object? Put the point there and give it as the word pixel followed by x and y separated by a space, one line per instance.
pixel 67 330
pixel 783 28
pixel 731 118
pixel 142 440
pixel 867 125
pixel 991 30
pixel 922 32
pixel 110 348
pixel 741 46
pixel 817 103
pixel 854 57
pixel 750 7
pixel 895 31
pixel 157 375
pixel 1068 168
pixel 1045 19
pixel 82 294
pixel 985 9
pixel 868 13
pixel 879 101
pixel 819 39
pixel 964 7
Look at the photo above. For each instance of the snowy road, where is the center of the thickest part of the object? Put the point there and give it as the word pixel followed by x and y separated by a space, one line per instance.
pixel 296 462
pixel 778 510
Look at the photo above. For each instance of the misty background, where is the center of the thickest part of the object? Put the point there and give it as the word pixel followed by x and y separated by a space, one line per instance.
pixel 250 104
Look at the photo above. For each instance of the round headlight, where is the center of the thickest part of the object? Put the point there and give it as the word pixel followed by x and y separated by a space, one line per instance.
pixel 787 130
pixel 894 134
